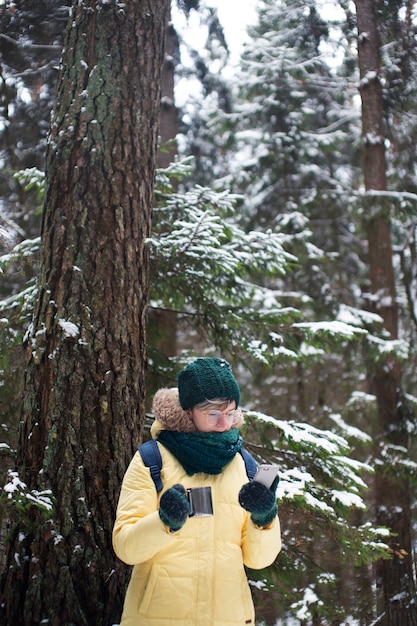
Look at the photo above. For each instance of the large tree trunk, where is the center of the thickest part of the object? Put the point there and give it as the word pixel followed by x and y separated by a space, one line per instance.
pixel 84 390
pixel 395 577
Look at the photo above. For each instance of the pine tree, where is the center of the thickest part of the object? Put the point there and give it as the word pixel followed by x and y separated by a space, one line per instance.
pixel 397 575
pixel 83 402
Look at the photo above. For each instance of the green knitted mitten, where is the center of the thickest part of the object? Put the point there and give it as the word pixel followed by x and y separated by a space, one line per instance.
pixel 260 502
pixel 174 507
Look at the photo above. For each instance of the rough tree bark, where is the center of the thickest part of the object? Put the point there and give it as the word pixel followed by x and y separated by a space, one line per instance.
pixel 84 388
pixel 395 577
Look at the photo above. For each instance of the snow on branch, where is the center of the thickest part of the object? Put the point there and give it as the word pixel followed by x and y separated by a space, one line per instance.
pixel 17 492
pixel 319 477
pixel 26 248
pixel 332 328
pixel 322 468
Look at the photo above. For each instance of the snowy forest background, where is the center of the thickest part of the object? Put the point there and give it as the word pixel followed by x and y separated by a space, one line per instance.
pixel 284 238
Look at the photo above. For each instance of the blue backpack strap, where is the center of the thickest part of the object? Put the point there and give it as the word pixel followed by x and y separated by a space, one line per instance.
pixel 151 457
pixel 250 463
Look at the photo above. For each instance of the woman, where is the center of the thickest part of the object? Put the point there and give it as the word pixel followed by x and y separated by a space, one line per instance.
pixel 189 569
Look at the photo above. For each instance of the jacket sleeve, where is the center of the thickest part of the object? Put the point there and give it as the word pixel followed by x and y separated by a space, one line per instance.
pixel 261 546
pixel 138 532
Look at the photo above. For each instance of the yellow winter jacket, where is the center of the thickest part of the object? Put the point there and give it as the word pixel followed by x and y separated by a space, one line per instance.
pixel 196 576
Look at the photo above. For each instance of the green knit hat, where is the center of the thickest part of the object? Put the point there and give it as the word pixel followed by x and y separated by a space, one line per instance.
pixel 206 379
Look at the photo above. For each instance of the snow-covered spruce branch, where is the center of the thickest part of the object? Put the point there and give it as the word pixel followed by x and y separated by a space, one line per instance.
pixel 318 475
pixel 27 44
pixel 17 492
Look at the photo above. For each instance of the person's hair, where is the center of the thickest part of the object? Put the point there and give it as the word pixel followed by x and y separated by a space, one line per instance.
pixel 215 403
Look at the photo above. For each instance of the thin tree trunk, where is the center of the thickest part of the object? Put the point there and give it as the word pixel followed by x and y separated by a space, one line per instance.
pixel 84 390
pixel 395 577
pixel 169 114
pixel 163 322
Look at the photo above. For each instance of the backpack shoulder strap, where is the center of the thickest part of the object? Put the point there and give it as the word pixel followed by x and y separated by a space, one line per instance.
pixel 151 457
pixel 250 463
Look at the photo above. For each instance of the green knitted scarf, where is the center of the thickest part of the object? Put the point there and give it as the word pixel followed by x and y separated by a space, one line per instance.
pixel 202 452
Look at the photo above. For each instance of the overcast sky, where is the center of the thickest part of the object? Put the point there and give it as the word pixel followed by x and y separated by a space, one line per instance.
pixel 235 15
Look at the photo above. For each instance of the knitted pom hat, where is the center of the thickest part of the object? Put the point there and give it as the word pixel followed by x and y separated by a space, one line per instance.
pixel 207 379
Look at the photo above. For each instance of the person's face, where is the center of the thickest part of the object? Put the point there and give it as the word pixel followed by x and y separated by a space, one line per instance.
pixel 215 419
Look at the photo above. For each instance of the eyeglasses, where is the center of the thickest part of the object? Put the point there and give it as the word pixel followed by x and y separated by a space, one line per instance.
pixel 232 417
